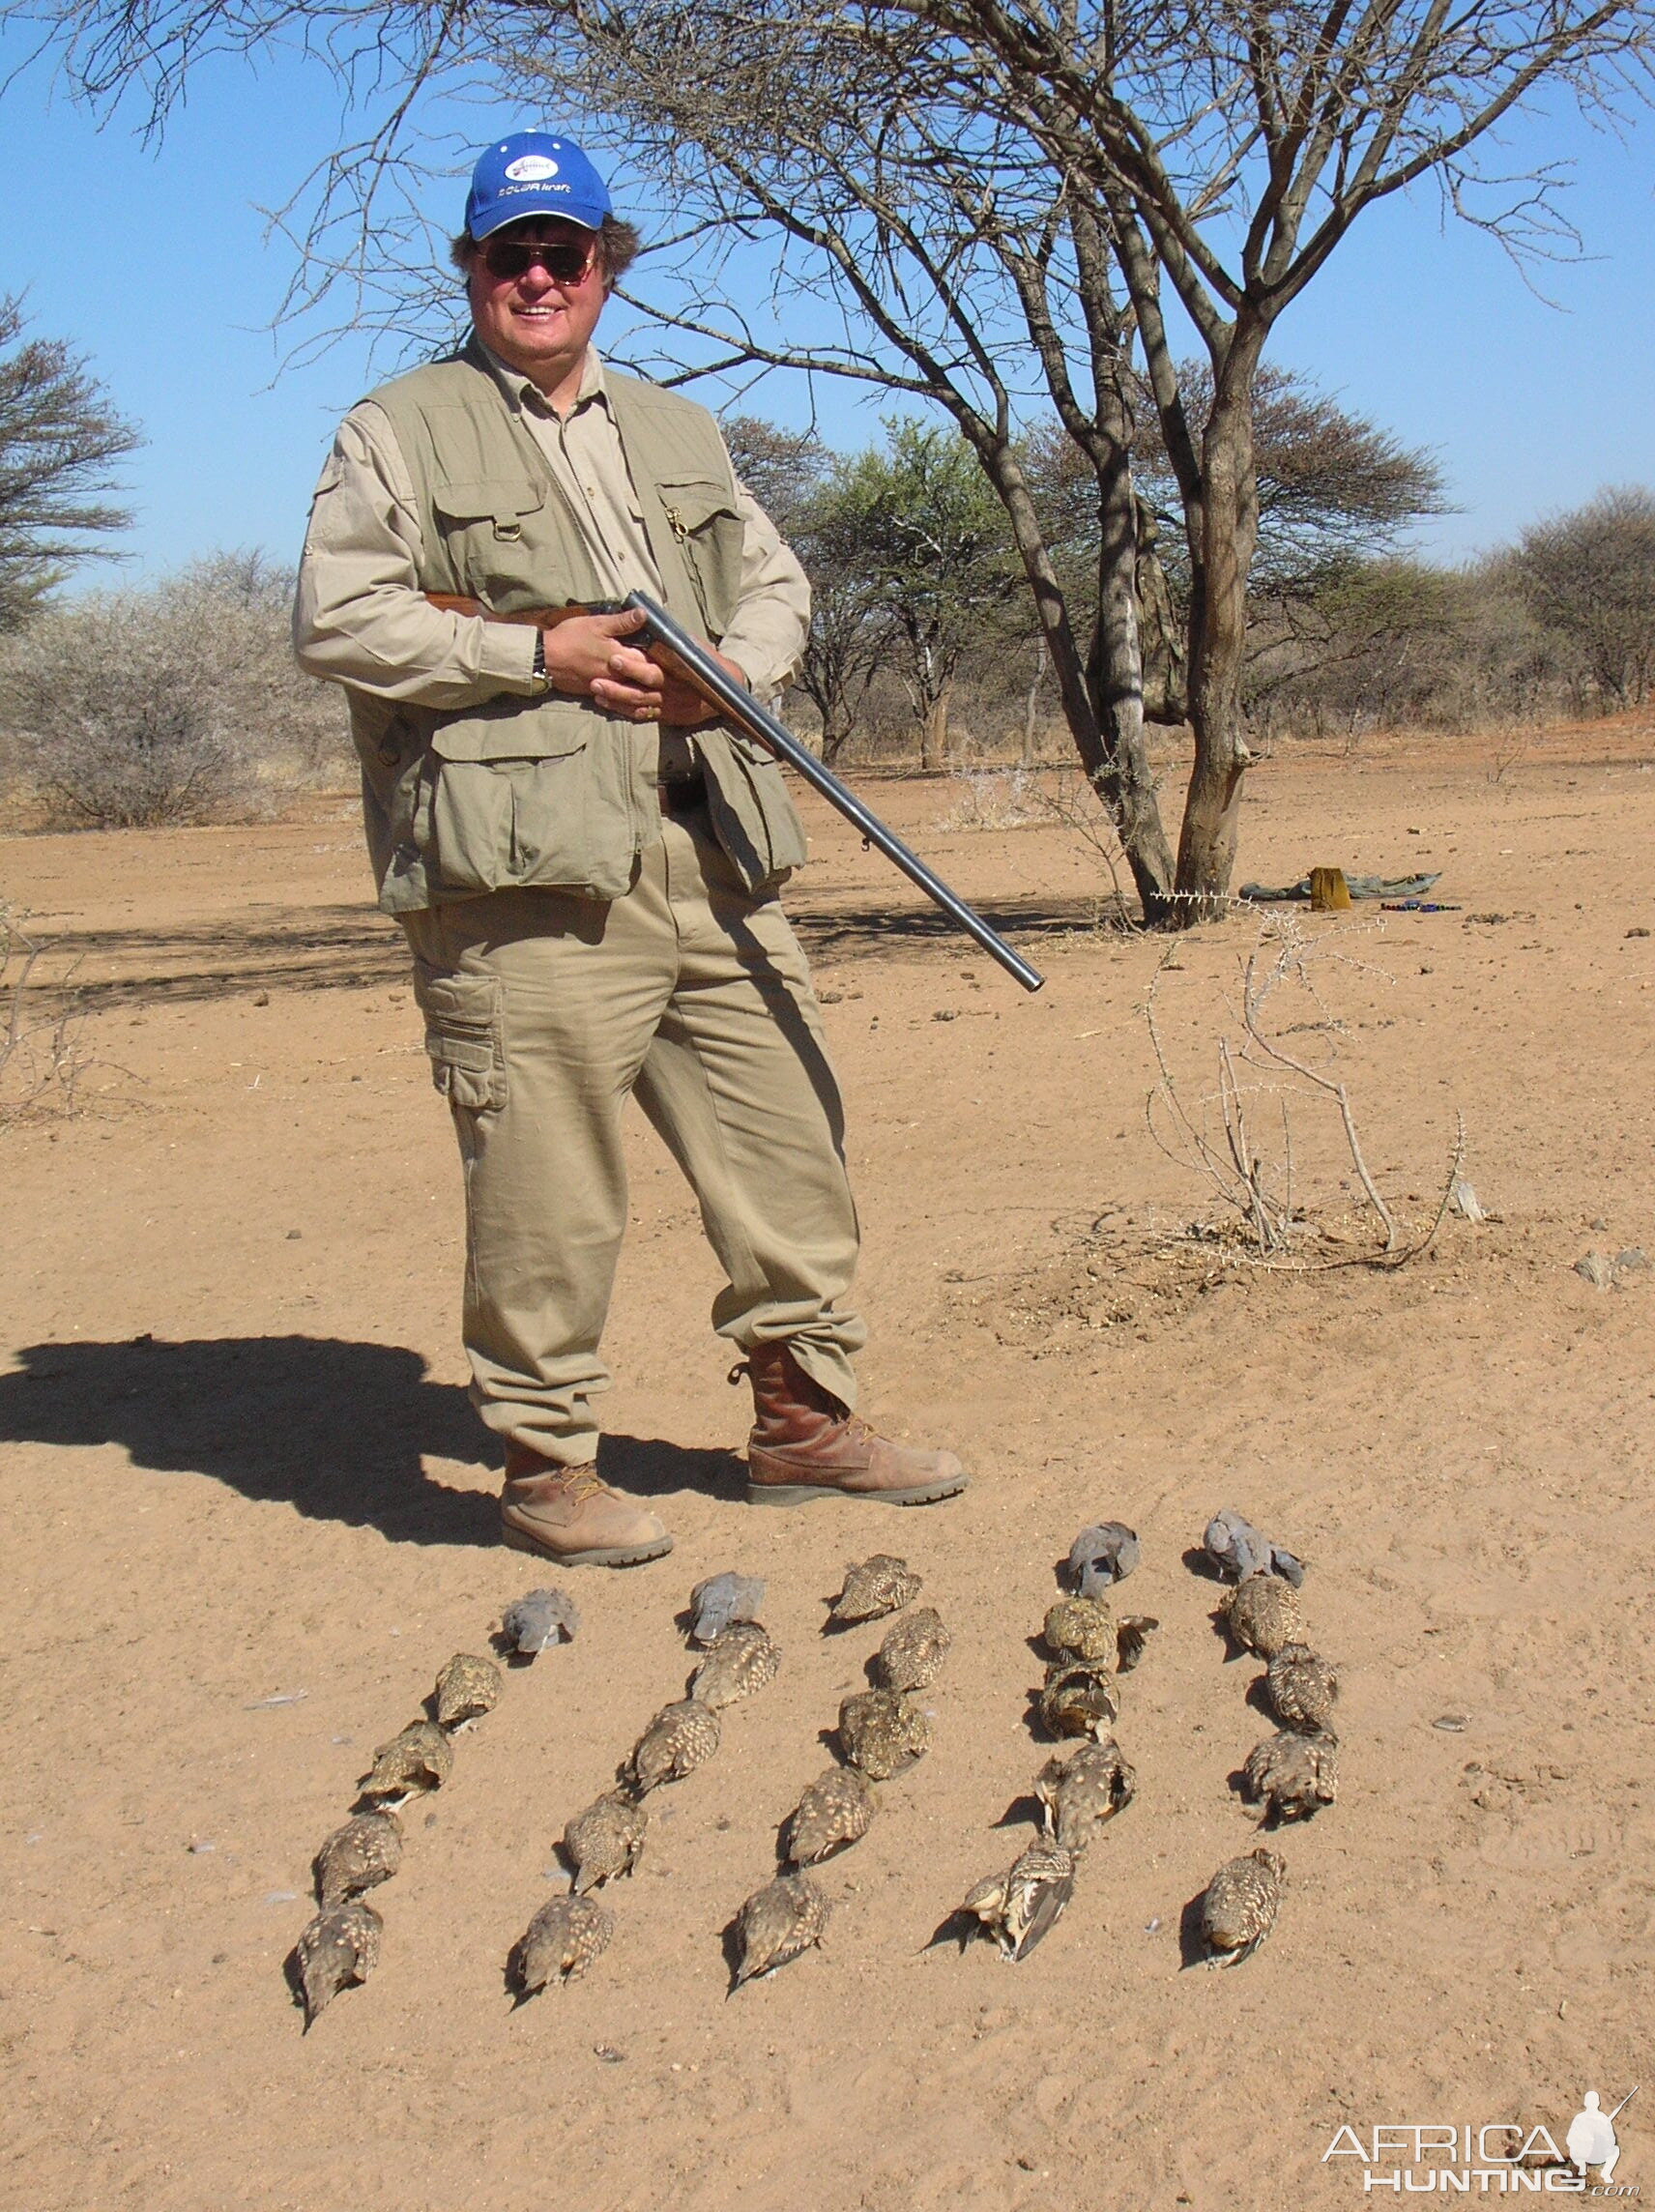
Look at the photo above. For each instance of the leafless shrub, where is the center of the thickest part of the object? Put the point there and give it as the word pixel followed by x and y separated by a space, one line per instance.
pixel 178 702
pixel 43 1054
pixel 994 799
pixel 1261 1079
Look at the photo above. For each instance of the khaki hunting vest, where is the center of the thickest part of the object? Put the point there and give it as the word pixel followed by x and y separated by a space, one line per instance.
pixel 550 792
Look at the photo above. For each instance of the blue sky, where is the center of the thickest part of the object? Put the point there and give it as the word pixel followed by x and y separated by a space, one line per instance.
pixel 154 261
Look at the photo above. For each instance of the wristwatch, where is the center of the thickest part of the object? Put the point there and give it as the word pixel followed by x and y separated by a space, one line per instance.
pixel 539 670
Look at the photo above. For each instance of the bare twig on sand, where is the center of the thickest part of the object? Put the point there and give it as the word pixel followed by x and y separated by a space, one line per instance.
pixel 1227 1159
pixel 43 1055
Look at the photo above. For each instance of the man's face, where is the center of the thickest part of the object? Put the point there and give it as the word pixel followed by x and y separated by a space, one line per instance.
pixel 538 325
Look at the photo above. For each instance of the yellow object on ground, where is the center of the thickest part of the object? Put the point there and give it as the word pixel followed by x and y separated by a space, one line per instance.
pixel 1329 892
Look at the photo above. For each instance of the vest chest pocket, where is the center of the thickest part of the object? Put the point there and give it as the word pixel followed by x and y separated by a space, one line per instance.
pixel 702 518
pixel 487 525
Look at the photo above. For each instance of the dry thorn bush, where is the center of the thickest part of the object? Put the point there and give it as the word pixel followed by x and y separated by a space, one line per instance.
pixel 43 1054
pixel 1261 1081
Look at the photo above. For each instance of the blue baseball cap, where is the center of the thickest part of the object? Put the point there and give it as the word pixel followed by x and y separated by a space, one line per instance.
pixel 534 173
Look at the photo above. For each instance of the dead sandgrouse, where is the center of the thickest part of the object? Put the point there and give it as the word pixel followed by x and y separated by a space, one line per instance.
pixel 912 1655
pixel 681 1738
pixel 714 1604
pixel 1293 1775
pixel 883 1733
pixel 560 1944
pixel 605 1841
pixel 1261 1614
pixel 1078 1796
pixel 339 1948
pixel 1302 1687
pixel 364 1852
pixel 1240 1907
pixel 1085 1628
pixel 777 1923
pixel 879 1585
pixel 420 1758
pixel 1079 1698
pixel 466 1688
pixel 1021 1906
pixel 742 1661
pixel 834 1811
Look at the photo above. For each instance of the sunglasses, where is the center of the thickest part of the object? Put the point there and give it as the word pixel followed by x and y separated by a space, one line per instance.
pixel 563 263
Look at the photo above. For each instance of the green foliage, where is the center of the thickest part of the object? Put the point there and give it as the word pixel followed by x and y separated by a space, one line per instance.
pixel 59 438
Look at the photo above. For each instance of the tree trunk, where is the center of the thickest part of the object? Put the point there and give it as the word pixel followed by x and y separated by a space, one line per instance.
pixel 1218 635
pixel 1125 783
pixel 1109 741
pixel 1031 705
pixel 934 729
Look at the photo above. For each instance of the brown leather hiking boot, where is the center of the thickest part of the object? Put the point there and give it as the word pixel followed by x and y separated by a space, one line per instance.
pixel 805 1445
pixel 569 1515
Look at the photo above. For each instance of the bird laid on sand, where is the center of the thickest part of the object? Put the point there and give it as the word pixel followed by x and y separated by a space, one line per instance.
pixel 420 1758
pixel 1293 1775
pixel 1241 1905
pixel 879 1585
pixel 339 1948
pixel 1080 1628
pixel 1079 1698
pixel 1078 1796
pixel 678 1740
pixel 777 1923
pixel 719 1600
pixel 834 1811
pixel 912 1655
pixel 560 1944
pixel 364 1852
pixel 466 1688
pixel 604 1841
pixel 1085 1628
pixel 1102 1555
pixel 1262 1614
pixel 1302 1687
pixel 883 1733
pixel 540 1616
pixel 1020 1906
pixel 1238 1550
pixel 741 1660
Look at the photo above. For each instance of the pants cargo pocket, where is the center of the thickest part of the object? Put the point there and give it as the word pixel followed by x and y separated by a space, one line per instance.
pixel 465 1035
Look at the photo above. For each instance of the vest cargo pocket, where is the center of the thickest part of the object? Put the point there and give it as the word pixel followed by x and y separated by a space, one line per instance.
pixel 465 1035
pixel 710 538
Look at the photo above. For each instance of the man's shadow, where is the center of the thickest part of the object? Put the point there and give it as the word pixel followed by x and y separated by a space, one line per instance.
pixel 338 1430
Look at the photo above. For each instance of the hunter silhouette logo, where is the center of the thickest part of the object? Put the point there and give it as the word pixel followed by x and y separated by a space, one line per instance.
pixel 1591 2137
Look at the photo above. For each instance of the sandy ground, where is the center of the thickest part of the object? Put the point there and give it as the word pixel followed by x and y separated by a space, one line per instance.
pixel 240 1468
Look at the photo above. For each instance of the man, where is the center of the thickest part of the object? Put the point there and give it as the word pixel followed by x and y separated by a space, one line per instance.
pixel 585 862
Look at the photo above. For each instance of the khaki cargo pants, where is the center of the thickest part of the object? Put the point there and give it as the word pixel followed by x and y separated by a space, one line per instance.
pixel 543 1012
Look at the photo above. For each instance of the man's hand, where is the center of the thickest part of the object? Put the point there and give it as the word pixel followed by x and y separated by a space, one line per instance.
pixel 587 656
pixel 683 703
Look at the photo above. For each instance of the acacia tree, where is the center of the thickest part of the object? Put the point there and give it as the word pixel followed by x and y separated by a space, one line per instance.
pixel 1590 576
pixel 956 179
pixel 59 439
pixel 793 476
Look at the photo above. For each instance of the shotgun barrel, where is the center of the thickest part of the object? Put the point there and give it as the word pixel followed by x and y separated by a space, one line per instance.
pixel 742 708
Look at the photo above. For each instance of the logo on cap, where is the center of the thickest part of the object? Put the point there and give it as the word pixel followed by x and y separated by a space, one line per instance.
pixel 531 168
